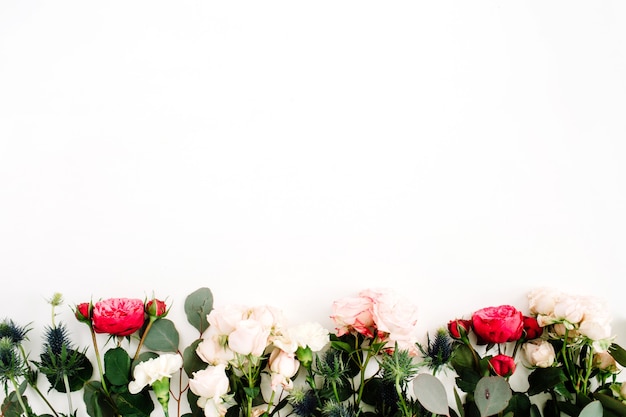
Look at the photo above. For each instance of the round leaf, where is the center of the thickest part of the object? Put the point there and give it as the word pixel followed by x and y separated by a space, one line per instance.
pixel 492 395
pixel 198 305
pixel 191 360
pixel 117 366
pixel 431 393
pixel 162 336
pixel 593 409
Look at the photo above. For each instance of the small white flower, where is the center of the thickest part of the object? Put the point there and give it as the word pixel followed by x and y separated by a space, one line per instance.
pixel 310 334
pixel 152 370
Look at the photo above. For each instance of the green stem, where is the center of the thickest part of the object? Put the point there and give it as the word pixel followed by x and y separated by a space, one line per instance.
pixel 19 395
pixel 143 337
pixel 98 360
pixel 66 382
pixel 403 406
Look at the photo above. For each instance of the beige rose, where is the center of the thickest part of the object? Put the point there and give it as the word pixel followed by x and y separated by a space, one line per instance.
pixel 539 353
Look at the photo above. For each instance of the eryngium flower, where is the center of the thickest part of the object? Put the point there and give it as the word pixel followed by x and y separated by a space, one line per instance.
pixel 303 402
pixel 11 364
pixel 60 360
pixel 438 352
pixel 17 334
pixel 332 367
pixel 398 367
pixel 335 409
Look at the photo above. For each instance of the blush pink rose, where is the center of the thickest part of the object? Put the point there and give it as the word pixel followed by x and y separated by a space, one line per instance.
pixel 498 324
pixel 118 316
pixel 353 313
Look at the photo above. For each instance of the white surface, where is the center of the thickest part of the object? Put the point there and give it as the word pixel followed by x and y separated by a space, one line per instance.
pixel 294 153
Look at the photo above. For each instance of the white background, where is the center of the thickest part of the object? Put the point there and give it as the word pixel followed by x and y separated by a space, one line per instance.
pixel 292 153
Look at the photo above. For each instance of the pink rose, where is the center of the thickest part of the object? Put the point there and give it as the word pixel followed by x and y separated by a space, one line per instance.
pixel 283 366
pixel 83 312
pixel 532 330
pixel 118 316
pixel 249 338
pixel 502 365
pixel 353 314
pixel 498 324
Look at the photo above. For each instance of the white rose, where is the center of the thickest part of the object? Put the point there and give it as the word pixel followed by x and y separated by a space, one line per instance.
pixel 283 366
pixel 249 338
pixel 213 348
pixel 570 309
pixel 310 334
pixel 152 370
pixel 596 322
pixel 539 353
pixel 213 407
pixel 211 382
pixel 224 319
pixel 269 317
pixel 542 300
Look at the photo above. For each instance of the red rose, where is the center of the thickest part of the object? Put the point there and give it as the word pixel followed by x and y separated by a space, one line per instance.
pixel 532 330
pixel 118 316
pixel 502 365
pixel 83 312
pixel 497 324
pixel 459 328
pixel 156 308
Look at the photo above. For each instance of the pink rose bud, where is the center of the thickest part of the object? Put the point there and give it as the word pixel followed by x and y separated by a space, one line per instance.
pixel 502 365
pixel 83 312
pixel 459 328
pixel 156 308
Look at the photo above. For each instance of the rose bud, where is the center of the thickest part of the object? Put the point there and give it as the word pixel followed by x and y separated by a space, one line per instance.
pixel 156 308
pixel 459 328
pixel 532 330
pixel 83 312
pixel 502 365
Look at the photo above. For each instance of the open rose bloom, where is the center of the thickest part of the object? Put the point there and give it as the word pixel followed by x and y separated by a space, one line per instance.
pixel 118 316
pixel 379 313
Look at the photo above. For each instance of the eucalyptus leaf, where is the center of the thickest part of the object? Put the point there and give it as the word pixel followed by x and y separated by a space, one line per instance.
pixel 96 402
pixel 163 336
pixel 191 360
pixel 431 393
pixel 492 395
pixel 593 409
pixel 198 305
pixel 543 379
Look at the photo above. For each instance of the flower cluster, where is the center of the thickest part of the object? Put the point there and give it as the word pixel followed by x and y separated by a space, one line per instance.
pixel 557 359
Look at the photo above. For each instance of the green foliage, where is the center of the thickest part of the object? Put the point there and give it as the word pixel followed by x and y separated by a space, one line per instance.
pixel 117 366
pixel 431 393
pixel 492 395
pixel 191 360
pixel 198 305
pixel 163 336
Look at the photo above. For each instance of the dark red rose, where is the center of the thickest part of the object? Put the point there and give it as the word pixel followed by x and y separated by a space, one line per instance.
pixel 156 308
pixel 502 365
pixel 532 330
pixel 118 316
pixel 497 324
pixel 459 328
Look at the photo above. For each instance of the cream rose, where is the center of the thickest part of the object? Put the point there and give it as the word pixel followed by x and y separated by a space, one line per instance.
pixel 283 366
pixel 213 348
pixel 539 353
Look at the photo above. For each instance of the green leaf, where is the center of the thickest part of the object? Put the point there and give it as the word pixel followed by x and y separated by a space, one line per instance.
pixel 544 379
pixel 96 402
pixel 162 336
pixel 431 393
pixel 136 405
pixel 611 404
pixel 593 409
pixel 492 395
pixel 618 353
pixel 117 366
pixel 191 360
pixel 12 408
pixel 198 305
pixel 459 403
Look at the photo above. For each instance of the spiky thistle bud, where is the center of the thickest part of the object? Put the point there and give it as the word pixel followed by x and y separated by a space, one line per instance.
pixel 304 403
